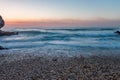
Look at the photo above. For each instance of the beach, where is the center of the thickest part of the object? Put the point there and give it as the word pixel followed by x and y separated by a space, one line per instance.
pixel 60 54
pixel 94 67
pixel 59 39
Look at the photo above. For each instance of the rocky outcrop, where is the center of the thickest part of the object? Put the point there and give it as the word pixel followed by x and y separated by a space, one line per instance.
pixel 117 32
pixel 1 48
pixel 4 33
pixel 2 23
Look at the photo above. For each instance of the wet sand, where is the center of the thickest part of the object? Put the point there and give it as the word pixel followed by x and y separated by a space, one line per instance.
pixel 60 68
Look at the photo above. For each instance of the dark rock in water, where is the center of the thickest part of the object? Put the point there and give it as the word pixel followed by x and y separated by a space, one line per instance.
pixel 1 48
pixel 118 32
pixel 4 33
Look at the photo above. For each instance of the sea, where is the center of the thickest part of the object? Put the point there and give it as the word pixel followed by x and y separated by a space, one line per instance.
pixel 62 42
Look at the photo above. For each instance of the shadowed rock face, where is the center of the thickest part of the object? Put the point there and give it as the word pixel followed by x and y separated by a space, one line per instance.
pixel 1 48
pixel 4 33
pixel 118 32
pixel 2 23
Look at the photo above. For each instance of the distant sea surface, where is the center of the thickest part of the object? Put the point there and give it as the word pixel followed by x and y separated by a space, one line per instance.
pixel 69 42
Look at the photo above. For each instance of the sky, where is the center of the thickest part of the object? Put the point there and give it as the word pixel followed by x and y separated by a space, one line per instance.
pixel 60 13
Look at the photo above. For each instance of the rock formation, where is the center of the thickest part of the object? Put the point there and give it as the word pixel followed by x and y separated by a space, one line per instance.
pixel 118 32
pixel 1 48
pixel 4 33
pixel 2 23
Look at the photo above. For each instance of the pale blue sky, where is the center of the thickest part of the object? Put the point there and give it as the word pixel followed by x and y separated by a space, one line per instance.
pixel 82 9
pixel 61 9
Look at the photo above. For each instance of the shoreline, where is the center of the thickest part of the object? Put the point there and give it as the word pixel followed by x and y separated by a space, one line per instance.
pixel 62 68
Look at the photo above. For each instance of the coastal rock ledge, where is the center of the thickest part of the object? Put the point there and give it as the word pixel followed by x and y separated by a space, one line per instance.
pixel 1 48
pixel 5 33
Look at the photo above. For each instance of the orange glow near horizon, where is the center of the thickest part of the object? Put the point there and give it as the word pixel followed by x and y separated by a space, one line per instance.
pixel 25 13
pixel 61 23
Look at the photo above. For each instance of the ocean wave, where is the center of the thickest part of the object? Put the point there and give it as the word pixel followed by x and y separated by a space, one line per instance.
pixel 29 38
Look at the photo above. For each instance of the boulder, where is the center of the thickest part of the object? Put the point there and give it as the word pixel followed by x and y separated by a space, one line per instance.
pixel 2 23
pixel 4 33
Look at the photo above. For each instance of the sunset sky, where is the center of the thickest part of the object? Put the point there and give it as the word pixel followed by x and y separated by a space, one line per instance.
pixel 58 13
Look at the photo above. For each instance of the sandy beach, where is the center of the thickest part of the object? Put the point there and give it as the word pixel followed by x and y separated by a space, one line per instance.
pixel 60 68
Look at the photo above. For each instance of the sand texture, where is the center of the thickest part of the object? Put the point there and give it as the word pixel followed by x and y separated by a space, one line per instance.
pixel 61 68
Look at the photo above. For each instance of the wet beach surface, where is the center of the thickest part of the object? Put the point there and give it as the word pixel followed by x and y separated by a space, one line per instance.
pixel 29 67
